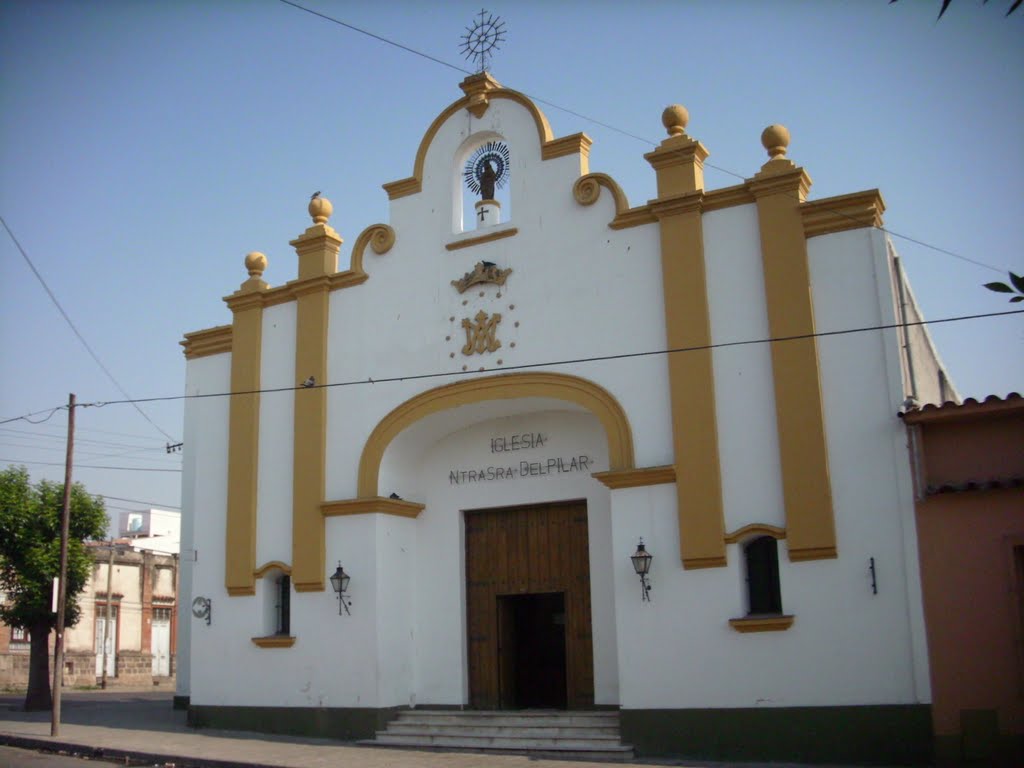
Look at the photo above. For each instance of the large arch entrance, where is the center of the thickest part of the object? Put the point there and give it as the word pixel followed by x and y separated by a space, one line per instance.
pixel 528 617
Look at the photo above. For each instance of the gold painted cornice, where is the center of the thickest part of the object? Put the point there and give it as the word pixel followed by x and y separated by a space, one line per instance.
pixel 843 212
pixel 727 197
pixel 372 505
pixel 266 568
pixel 679 165
pixel 274 641
pixel 694 563
pixel 210 341
pixel 687 202
pixel 480 239
pixel 241 591
pixel 762 623
pixel 574 144
pixel 477 89
pixel 815 553
pixel 246 299
pixel 481 90
pixel 635 478
pixel 587 189
pixel 780 177
pixel 755 529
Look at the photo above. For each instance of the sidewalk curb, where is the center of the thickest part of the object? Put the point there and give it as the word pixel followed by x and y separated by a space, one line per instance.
pixel 128 756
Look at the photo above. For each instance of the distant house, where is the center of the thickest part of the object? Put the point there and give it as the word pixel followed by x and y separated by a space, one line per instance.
pixel 968 462
pixel 142 600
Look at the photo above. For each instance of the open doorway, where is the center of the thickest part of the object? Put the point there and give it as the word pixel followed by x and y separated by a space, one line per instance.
pixel 528 622
pixel 531 651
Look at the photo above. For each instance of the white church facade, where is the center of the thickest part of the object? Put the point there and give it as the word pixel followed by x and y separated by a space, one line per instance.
pixel 424 418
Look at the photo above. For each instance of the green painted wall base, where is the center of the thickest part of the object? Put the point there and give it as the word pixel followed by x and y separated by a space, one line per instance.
pixel 883 734
pixel 343 723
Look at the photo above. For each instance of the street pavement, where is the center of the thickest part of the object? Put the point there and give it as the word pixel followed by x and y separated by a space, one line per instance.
pixel 140 727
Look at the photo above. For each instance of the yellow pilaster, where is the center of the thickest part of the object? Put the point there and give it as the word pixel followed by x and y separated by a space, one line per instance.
pixel 779 189
pixel 679 164
pixel 246 305
pixel 317 249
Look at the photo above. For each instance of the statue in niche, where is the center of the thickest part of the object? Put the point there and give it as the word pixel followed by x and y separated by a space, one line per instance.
pixel 487 179
pixel 487 169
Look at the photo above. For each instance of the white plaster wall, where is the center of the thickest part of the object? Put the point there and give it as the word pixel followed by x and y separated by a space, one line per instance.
pixel 744 387
pixel 847 646
pixel 395 579
pixel 211 660
pixel 277 425
pixel 578 289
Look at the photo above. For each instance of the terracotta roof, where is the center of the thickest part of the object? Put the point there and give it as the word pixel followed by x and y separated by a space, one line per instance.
pixel 969 408
pixel 992 484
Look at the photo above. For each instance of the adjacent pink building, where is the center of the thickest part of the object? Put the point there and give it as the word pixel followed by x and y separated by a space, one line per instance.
pixel 969 470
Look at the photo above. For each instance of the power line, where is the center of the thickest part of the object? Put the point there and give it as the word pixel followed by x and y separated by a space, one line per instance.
pixel 4 431
pixel 81 338
pixel 595 121
pixel 138 501
pixel 568 361
pixel 90 466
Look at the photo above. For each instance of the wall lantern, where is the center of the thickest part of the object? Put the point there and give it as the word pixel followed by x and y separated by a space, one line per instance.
pixel 340 581
pixel 642 564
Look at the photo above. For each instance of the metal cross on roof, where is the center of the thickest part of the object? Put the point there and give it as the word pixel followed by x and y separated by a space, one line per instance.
pixel 483 38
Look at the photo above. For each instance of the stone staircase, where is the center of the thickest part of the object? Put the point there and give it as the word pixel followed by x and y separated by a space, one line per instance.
pixel 590 735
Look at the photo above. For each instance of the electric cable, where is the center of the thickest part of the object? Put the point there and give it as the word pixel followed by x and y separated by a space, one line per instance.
pixel 90 466
pixel 563 362
pixel 75 330
pixel 610 127
pixel 137 501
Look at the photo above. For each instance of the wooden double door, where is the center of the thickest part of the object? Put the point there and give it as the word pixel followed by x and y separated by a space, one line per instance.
pixel 528 607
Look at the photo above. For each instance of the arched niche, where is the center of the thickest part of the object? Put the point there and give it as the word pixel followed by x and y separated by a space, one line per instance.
pixel 465 212
pixel 577 392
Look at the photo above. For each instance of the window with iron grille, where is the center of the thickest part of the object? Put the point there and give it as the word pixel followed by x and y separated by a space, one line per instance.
pixel 283 605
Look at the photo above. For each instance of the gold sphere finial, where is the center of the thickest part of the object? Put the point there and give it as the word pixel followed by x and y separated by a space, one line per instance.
pixel 320 209
pixel 775 138
pixel 674 118
pixel 256 263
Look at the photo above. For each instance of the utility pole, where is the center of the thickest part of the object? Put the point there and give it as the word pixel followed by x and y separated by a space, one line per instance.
pixel 58 646
pixel 106 624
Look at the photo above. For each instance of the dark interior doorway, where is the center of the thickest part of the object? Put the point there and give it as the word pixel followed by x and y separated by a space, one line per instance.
pixel 526 569
pixel 531 649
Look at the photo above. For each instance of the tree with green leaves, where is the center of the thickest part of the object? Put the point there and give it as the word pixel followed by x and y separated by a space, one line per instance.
pixel 30 560
pixel 1015 286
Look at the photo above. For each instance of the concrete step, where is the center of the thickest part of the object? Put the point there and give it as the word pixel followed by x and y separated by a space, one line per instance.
pixel 522 744
pixel 592 735
pixel 536 730
pixel 575 719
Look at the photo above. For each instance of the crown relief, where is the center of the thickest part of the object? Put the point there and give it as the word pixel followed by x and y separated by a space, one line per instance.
pixel 483 272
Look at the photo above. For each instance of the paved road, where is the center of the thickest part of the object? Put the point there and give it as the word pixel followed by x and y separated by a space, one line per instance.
pixel 24 758
pixel 142 726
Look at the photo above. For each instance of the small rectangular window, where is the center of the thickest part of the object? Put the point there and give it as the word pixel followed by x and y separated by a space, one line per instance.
pixel 19 635
pixel 284 600
pixel 763 590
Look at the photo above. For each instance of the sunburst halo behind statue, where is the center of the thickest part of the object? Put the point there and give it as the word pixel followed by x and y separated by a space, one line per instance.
pixel 493 152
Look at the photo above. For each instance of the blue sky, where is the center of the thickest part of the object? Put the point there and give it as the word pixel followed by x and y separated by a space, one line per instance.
pixel 146 147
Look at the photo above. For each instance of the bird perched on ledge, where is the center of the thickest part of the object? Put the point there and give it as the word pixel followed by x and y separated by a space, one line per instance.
pixel 315 195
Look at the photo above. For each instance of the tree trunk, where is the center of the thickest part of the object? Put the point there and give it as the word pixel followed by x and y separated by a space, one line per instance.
pixel 38 696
